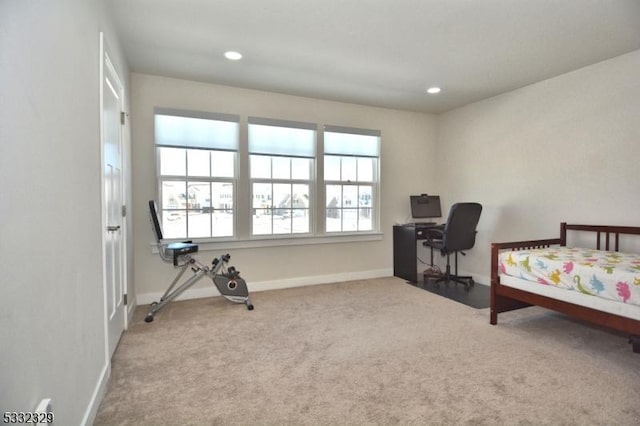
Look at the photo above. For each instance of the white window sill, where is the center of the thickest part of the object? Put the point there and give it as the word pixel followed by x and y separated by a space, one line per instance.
pixel 271 241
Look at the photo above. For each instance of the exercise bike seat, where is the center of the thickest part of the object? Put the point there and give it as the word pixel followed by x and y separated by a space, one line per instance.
pixel 180 249
pixel 177 249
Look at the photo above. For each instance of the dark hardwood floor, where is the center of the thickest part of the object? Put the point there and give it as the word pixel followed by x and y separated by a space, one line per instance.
pixel 476 297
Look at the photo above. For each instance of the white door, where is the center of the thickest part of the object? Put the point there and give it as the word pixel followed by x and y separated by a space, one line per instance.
pixel 112 107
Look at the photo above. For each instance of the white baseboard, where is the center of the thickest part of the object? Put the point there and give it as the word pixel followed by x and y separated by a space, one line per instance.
pixel 97 396
pixel 210 291
pixel 479 279
pixel 131 309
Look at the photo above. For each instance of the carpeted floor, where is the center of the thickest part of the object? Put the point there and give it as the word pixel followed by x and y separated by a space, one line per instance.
pixel 367 352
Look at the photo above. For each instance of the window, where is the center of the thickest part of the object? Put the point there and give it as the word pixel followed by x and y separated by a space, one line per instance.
pixel 351 179
pixel 196 157
pixel 281 164
pixel 292 181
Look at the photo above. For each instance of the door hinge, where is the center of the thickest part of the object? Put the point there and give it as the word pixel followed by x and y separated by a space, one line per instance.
pixel 125 299
pixel 123 116
pixel 124 211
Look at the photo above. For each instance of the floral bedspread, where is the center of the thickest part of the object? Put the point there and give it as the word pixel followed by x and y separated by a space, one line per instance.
pixel 606 274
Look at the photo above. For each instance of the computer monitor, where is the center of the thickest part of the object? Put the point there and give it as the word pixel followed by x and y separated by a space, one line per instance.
pixel 425 206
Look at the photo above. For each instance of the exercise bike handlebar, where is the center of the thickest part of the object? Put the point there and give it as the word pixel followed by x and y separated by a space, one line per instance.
pixel 224 258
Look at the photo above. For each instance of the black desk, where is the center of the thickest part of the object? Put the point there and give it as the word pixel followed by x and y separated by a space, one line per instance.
pixel 405 251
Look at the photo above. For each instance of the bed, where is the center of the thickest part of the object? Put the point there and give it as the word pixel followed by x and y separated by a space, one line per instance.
pixel 599 284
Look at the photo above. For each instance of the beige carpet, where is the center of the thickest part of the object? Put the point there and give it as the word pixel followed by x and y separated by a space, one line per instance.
pixel 367 352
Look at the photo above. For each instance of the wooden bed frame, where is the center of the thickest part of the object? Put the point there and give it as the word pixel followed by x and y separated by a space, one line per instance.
pixel 504 298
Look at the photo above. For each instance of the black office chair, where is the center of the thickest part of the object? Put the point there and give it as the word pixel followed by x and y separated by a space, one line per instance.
pixel 459 234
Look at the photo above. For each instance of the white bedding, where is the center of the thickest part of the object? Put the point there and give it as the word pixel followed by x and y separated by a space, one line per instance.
pixel 575 297
pixel 603 280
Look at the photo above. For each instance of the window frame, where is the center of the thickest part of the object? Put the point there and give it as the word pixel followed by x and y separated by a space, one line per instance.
pixel 374 208
pixel 187 178
pixel 243 186
pixel 303 148
pixel 351 149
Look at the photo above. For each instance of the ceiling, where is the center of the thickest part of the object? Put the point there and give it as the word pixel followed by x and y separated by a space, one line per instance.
pixel 375 52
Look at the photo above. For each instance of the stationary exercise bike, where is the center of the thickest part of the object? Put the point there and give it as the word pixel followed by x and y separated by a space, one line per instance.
pixel 226 279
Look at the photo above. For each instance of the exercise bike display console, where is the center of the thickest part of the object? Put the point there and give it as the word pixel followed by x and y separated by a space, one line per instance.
pixel 226 279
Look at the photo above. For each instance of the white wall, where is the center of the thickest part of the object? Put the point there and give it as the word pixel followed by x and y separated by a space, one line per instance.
pixel 407 164
pixel 565 149
pixel 52 340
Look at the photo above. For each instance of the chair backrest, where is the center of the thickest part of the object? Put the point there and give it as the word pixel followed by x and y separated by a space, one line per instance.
pixel 153 212
pixel 460 229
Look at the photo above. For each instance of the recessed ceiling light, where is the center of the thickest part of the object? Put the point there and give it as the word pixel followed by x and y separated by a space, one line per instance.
pixel 233 56
pixel 433 90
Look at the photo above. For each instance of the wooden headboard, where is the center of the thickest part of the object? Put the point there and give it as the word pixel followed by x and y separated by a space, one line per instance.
pixel 608 232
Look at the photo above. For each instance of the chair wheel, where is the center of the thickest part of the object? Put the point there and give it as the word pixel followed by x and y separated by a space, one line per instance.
pixel 148 318
pixel 249 306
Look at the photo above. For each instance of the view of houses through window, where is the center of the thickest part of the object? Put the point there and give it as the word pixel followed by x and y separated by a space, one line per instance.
pixel 349 193
pixel 195 205
pixel 281 198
